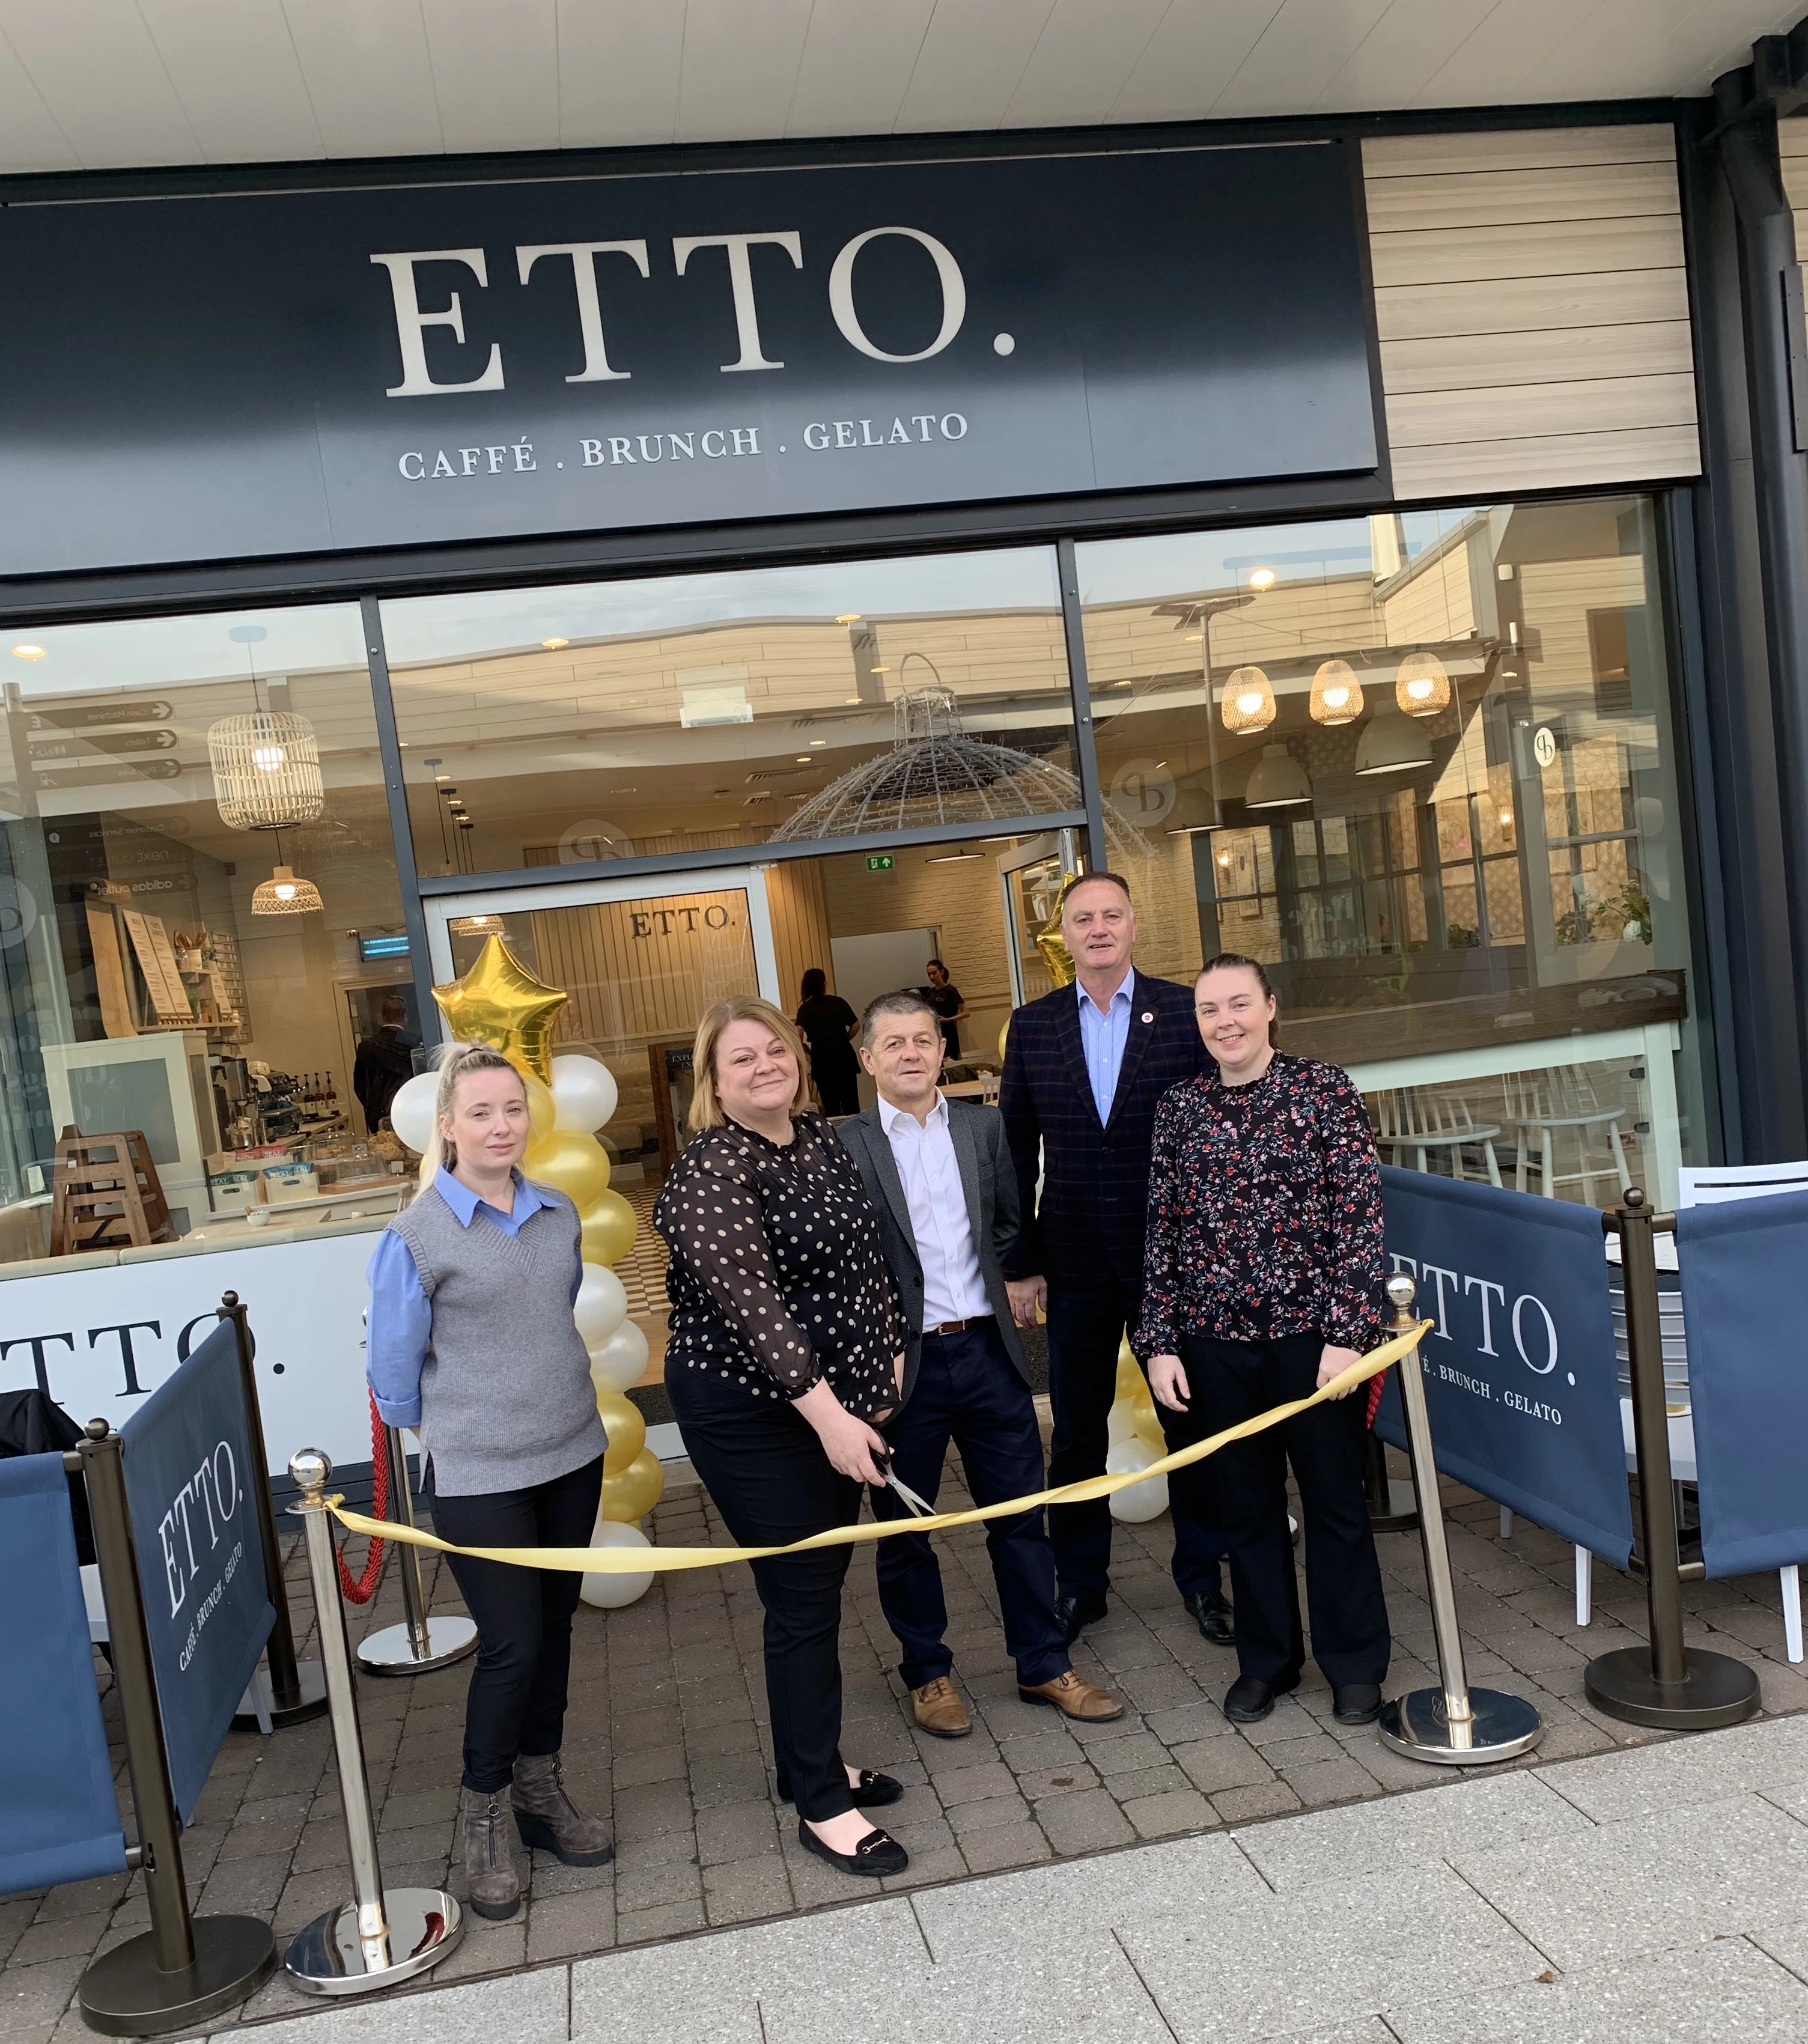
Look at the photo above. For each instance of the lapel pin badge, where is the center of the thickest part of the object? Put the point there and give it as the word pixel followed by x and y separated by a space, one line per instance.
pixel 1148 1018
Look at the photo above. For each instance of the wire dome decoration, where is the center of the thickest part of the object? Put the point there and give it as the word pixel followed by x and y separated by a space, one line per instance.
pixel 935 774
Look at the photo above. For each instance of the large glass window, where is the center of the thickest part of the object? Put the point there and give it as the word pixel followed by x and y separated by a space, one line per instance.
pixel 200 928
pixel 1421 767
pixel 602 720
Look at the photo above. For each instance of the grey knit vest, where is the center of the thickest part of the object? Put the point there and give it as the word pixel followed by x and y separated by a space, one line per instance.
pixel 506 1398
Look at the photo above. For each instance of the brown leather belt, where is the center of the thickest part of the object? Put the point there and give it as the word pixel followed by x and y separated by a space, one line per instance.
pixel 958 1326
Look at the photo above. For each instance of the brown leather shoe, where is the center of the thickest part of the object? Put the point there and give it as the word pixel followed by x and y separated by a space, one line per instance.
pixel 1075 1698
pixel 938 1710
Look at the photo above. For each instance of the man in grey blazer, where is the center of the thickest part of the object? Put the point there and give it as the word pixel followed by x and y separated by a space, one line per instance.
pixel 939 1174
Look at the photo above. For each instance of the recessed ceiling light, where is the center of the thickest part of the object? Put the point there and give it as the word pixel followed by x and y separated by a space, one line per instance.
pixel 819 741
pixel 1262 579
pixel 878 667
pixel 632 788
pixel 848 617
pixel 949 857
pixel 803 759
pixel 27 652
pixel 552 645
pixel 851 700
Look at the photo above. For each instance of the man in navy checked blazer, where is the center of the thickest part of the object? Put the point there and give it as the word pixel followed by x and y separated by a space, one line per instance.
pixel 1084 1068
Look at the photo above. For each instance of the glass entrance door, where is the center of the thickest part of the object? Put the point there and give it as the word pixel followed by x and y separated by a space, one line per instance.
pixel 641 963
pixel 1030 875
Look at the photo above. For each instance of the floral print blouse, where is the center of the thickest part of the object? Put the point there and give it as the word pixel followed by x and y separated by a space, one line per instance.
pixel 1265 1212
pixel 777 1276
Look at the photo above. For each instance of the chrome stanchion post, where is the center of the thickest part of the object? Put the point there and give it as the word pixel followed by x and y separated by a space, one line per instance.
pixel 1453 1726
pixel 298 1690
pixel 1682 1688
pixel 419 1642
pixel 183 1969
pixel 381 1936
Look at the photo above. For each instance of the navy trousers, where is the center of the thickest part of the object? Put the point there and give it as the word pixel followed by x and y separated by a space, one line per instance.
pixel 967 1391
pixel 1087 1319
pixel 1244 1486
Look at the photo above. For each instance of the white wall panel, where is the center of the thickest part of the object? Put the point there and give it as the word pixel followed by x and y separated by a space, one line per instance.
pixel 235 71
pixel 858 58
pixel 98 70
pixel 741 63
pixel 971 62
pixel 1082 61
pixel 368 75
pixel 495 71
pixel 619 71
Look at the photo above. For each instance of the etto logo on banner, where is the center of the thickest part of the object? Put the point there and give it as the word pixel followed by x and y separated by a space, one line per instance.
pixel 412 320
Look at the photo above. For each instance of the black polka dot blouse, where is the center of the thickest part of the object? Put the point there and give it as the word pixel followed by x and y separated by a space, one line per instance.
pixel 777 1277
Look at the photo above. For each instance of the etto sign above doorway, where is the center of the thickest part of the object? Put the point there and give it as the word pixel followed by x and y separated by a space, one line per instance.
pixel 293 372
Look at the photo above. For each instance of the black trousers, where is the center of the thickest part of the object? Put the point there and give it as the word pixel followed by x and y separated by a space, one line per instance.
pixel 1086 1321
pixel 967 1391
pixel 839 1090
pixel 517 1700
pixel 764 1467
pixel 1243 1486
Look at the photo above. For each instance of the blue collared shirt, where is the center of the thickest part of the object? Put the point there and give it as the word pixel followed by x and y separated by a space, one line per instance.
pixel 1103 1033
pixel 401 1324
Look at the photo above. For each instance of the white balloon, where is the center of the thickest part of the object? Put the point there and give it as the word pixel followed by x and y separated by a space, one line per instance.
pixel 601 1305
pixel 583 1094
pixel 610 1592
pixel 621 1360
pixel 411 1111
pixel 1138 1501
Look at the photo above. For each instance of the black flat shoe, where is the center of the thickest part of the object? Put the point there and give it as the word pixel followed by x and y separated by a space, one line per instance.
pixel 877 1854
pixel 1214 1614
pixel 873 1792
pixel 1249 1699
pixel 1355 1703
pixel 1075 1614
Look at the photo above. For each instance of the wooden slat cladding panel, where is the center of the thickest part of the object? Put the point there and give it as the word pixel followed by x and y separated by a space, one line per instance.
pixel 1532 310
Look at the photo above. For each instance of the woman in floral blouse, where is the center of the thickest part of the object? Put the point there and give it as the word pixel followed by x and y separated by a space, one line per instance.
pixel 1262 1281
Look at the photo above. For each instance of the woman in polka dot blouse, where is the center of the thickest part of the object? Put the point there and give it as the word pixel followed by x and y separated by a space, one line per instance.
pixel 786 1348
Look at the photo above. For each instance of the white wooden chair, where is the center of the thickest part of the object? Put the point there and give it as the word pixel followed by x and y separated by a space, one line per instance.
pixel 1561 1101
pixel 1418 1120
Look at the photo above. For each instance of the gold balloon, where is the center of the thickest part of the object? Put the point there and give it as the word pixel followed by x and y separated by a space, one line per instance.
pixel 1004 1032
pixel 499 1002
pixel 626 1429
pixel 1050 943
pixel 1130 1378
pixel 608 1226
pixel 636 1491
pixel 577 1166
pixel 541 1110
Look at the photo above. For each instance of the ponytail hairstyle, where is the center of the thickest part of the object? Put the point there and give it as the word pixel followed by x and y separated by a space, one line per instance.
pixel 456 1062
pixel 1234 959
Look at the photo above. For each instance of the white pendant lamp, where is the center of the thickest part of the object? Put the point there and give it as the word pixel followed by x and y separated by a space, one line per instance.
pixel 1392 745
pixel 266 764
pixel 1278 782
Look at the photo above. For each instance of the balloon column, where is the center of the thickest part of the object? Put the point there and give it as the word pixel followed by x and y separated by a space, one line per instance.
pixel 1135 1440
pixel 500 1003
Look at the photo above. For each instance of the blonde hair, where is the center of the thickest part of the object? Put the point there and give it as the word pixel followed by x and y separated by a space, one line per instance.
pixel 706 1109
pixel 457 1061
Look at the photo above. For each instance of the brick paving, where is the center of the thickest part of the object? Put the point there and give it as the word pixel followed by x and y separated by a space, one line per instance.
pixel 667 1730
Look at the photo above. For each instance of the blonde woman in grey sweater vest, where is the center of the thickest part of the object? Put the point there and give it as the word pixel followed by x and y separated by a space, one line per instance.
pixel 472 1344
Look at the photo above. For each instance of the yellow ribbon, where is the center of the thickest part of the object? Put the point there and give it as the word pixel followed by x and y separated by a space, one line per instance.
pixel 638 1560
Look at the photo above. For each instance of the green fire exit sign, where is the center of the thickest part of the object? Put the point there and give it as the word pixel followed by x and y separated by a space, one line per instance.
pixel 879 862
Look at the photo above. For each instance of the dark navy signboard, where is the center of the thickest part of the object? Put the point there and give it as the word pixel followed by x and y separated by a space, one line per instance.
pixel 1520 1373
pixel 292 372
pixel 188 1467
pixel 1741 1265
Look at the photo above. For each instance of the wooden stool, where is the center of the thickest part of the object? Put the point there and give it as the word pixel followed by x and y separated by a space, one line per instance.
pixel 106 1194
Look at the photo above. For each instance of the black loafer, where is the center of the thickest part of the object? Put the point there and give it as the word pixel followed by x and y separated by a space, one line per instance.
pixel 873 1792
pixel 1214 1617
pixel 1249 1699
pixel 1356 1703
pixel 1075 1614
pixel 876 1854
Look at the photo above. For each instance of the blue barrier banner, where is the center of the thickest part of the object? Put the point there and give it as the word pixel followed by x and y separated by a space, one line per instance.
pixel 1520 1373
pixel 1741 1265
pixel 59 1820
pixel 188 1473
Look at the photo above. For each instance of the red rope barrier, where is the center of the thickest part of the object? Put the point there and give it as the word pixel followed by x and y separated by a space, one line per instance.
pixel 361 1588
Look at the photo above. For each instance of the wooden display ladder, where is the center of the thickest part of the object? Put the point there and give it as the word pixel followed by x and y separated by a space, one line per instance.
pixel 104 1185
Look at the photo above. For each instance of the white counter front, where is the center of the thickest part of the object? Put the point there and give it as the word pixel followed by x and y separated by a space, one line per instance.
pixel 99 1338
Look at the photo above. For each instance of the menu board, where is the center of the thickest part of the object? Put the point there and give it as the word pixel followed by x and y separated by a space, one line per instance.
pixel 156 961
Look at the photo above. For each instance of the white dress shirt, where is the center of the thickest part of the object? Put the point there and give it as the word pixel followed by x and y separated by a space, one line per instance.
pixel 954 1287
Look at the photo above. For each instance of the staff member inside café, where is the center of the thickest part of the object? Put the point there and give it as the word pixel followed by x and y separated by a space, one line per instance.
pixel 939 1176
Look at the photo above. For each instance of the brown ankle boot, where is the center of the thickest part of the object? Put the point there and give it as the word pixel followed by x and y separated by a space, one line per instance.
pixel 490 1873
pixel 547 1817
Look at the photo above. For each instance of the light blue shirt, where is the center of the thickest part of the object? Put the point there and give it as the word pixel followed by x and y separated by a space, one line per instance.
pixel 1103 1033
pixel 401 1323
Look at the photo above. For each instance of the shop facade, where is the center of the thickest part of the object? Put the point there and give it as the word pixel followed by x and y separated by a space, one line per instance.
pixel 706 569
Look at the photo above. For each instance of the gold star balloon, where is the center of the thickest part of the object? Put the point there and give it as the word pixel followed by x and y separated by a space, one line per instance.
pixel 1051 944
pixel 499 1002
